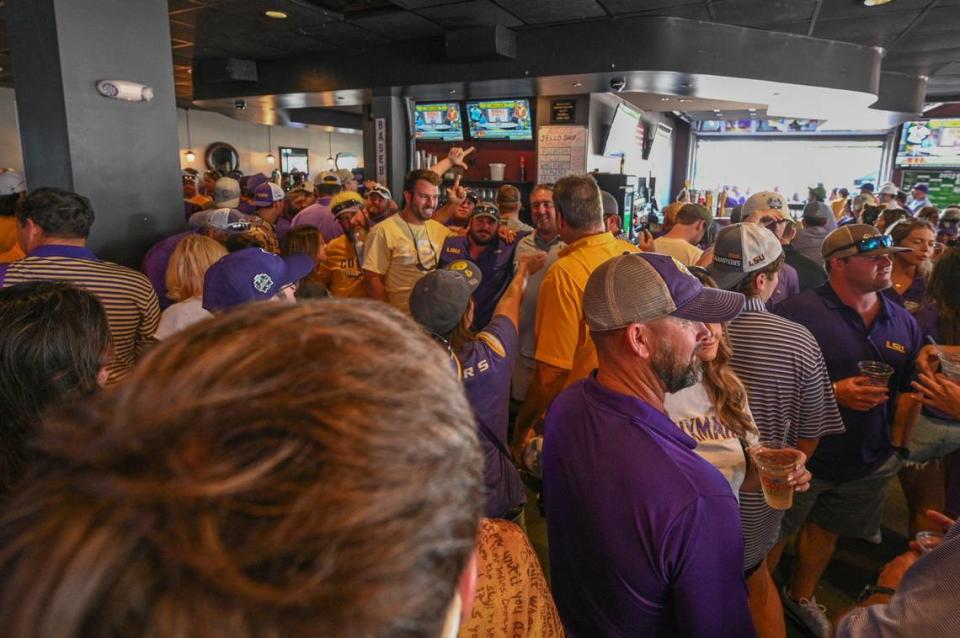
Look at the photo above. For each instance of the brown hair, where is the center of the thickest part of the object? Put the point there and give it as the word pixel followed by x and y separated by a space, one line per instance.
pixel 422 173
pixel 747 285
pixel 724 388
pixel 577 200
pixel 189 262
pixel 943 289
pixel 280 470
pixel 901 231
pixel 303 239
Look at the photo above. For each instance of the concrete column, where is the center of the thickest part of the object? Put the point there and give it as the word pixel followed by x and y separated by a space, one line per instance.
pixel 122 155
pixel 392 111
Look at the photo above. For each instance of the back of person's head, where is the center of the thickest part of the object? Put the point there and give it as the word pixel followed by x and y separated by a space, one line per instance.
pixel 302 470
pixel 53 344
pixel 889 217
pixel 577 200
pixel 188 264
pixel 59 213
pixel 328 190
pixel 930 214
pixel 411 179
pixel 302 239
pixel 843 192
pixel 690 214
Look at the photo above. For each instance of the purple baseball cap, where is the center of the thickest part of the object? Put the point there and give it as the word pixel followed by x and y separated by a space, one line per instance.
pixel 250 184
pixel 643 287
pixel 267 194
pixel 251 274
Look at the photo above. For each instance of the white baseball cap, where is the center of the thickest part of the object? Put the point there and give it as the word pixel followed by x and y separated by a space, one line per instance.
pixel 11 183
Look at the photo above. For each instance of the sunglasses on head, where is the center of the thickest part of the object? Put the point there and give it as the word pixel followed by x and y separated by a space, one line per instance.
pixel 868 244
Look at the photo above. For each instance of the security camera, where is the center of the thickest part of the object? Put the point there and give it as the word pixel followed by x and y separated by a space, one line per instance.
pixel 240 104
pixel 124 90
pixel 618 84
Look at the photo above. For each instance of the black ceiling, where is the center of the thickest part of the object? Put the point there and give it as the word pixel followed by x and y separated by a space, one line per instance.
pixel 919 35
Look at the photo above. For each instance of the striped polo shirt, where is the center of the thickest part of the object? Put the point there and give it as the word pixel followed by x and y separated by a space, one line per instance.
pixel 127 296
pixel 790 395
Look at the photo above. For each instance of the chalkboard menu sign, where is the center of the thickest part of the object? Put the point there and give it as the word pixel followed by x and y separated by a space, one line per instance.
pixel 944 185
pixel 563 111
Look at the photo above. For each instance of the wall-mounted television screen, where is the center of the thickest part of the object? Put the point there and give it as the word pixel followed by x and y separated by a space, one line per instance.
pixel 930 143
pixel 500 120
pixel 439 121
pixel 625 137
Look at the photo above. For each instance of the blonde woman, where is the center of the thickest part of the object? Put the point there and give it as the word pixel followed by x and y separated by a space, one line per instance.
pixel 184 279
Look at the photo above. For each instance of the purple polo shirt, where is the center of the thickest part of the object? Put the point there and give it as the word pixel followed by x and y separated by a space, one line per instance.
pixel 788 286
pixel 496 267
pixel 155 265
pixel 894 338
pixel 486 367
pixel 319 216
pixel 644 534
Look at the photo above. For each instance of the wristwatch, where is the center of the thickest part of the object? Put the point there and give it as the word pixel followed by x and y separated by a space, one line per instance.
pixel 870 590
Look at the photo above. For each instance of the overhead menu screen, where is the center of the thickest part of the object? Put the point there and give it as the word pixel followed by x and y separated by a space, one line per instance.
pixel 438 122
pixel 500 120
pixel 930 143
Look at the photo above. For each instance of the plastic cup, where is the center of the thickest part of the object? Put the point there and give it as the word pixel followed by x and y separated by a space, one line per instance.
pixel 950 365
pixel 496 171
pixel 877 372
pixel 928 541
pixel 774 465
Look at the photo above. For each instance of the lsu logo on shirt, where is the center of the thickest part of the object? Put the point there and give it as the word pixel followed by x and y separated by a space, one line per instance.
pixel 896 347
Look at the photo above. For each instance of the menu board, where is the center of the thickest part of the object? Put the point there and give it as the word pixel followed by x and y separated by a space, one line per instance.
pixel 944 185
pixel 561 151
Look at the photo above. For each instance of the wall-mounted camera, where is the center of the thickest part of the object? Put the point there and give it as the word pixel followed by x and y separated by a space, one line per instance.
pixel 618 84
pixel 240 105
pixel 125 90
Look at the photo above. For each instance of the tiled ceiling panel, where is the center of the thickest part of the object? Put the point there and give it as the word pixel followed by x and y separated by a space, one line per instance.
pixel 397 24
pixel 623 7
pixel 537 12
pixel 763 13
pixel 470 14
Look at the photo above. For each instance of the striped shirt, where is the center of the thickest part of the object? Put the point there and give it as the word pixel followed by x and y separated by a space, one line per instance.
pixel 127 296
pixel 925 603
pixel 790 395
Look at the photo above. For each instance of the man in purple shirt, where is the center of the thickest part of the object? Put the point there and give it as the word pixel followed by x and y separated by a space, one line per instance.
pixel 318 214
pixel 644 534
pixel 852 322
pixel 441 303
pixel 492 254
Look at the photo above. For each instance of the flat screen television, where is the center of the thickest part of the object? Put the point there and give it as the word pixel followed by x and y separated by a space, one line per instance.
pixel 500 120
pixel 930 143
pixel 625 137
pixel 440 121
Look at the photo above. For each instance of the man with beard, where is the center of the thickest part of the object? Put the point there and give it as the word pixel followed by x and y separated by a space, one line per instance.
pixel 493 255
pixel 379 204
pixel 341 270
pixel 644 534
pixel 406 246
pixel 853 323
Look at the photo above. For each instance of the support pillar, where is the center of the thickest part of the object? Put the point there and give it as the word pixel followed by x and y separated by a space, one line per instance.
pixel 122 155
pixel 388 141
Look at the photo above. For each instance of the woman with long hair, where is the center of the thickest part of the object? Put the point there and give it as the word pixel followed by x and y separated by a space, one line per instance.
pixel 53 346
pixel 715 412
pixel 910 270
pixel 188 264
pixel 934 462
pixel 309 241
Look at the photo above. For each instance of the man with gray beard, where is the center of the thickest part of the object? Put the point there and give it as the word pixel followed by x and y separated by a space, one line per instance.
pixel 644 534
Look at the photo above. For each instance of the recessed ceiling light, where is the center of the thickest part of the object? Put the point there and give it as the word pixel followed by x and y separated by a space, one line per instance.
pixel 876 3
pixel 716 110
pixel 684 100
pixel 578 84
pixel 664 99
pixel 276 15
pixel 452 91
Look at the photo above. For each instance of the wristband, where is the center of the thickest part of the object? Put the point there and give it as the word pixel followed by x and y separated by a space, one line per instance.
pixel 871 590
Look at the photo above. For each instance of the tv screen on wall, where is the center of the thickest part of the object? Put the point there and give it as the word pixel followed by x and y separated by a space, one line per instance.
pixel 625 137
pixel 500 120
pixel 440 121
pixel 930 143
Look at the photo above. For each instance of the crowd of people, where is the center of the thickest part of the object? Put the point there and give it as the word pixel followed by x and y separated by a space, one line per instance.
pixel 321 410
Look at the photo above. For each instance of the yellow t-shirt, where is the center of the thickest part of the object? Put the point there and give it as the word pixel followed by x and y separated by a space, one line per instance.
pixel 403 253
pixel 837 207
pixel 341 271
pixel 9 248
pixel 563 340
pixel 680 249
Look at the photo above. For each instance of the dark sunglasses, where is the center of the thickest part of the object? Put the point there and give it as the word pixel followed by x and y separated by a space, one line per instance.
pixel 868 244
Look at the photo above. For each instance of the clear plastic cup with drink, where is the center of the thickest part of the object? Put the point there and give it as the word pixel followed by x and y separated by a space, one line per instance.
pixel 950 365
pixel 775 462
pixel 876 372
pixel 928 541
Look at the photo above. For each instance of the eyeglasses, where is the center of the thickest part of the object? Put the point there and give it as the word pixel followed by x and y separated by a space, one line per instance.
pixel 867 244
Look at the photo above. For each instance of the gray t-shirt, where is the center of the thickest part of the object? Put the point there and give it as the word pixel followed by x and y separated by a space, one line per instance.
pixel 528 307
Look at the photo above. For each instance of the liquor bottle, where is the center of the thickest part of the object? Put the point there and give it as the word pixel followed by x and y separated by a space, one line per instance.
pixel 523 169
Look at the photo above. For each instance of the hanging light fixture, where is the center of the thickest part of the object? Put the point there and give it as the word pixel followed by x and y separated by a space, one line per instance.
pixel 270 158
pixel 190 155
pixel 330 161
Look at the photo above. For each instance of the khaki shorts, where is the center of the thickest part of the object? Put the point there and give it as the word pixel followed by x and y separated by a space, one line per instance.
pixel 850 508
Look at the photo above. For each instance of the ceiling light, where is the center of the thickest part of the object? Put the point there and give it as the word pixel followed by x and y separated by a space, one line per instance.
pixel 684 100
pixel 452 91
pixel 664 99
pixel 876 3
pixel 276 15
pixel 577 84
pixel 190 155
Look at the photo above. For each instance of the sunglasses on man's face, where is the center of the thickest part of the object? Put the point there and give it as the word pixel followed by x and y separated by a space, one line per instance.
pixel 868 244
